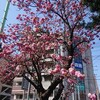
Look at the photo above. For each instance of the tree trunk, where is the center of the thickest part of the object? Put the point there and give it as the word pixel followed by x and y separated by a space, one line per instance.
pixel 44 95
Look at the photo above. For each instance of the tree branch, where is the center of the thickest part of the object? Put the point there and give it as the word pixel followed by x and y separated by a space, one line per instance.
pixel 65 21
pixel 28 70
pixel 40 86
pixel 36 86
pixel 78 44
pixel 49 91
pixel 57 96
pixel 38 74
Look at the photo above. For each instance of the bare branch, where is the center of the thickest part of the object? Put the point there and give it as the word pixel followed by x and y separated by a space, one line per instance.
pixel 79 44
pixel 29 80
pixel 65 21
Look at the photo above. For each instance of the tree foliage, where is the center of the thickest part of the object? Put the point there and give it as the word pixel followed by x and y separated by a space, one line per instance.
pixel 94 6
pixel 46 25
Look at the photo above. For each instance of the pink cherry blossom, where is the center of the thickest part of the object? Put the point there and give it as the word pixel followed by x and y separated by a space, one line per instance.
pixel 64 72
pixel 53 56
pixel 48 6
pixel 36 29
pixel 72 71
pixel 18 68
pixel 72 65
pixel 89 95
pixel 71 81
pixel 51 72
pixel 58 67
pixel 92 96
pixel 59 57
pixel 47 29
pixel 79 75
pixel 69 57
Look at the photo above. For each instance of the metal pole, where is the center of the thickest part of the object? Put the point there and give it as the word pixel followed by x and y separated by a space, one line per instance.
pixel 75 94
pixel 78 92
pixel 23 94
pixel 28 93
pixel 73 98
pixel 5 15
pixel 29 89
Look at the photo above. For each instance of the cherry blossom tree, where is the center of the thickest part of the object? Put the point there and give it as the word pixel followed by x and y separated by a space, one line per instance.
pixel 47 25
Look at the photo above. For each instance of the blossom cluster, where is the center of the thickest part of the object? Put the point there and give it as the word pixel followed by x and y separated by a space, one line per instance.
pixel 92 96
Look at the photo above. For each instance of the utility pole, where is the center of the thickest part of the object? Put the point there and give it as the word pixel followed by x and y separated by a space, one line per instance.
pixel 78 90
pixel 29 89
pixel 1 30
pixel 4 21
pixel 5 15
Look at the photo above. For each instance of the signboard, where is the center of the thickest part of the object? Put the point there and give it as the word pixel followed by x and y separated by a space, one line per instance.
pixel 80 87
pixel 78 65
pixel 78 62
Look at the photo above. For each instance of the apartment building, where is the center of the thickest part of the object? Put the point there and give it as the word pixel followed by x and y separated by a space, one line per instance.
pixel 25 91
pixel 5 89
pixel 20 92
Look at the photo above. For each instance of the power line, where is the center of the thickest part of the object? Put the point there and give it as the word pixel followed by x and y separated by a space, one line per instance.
pixel 96 57
pixel 92 79
pixel 95 50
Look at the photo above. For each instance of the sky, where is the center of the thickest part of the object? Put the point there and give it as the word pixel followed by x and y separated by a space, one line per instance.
pixel 96 61
pixel 11 18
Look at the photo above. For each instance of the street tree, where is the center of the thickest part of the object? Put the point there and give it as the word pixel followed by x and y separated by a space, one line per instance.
pixel 94 7
pixel 47 25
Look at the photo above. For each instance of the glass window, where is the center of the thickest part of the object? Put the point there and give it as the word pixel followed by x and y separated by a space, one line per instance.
pixel 19 96
pixel 18 83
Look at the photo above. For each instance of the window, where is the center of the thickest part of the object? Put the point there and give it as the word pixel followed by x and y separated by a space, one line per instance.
pixel 18 83
pixel 19 96
pixel 31 96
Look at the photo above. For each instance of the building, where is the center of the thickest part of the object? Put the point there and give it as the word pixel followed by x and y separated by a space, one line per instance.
pixel 21 93
pixel 97 88
pixel 26 91
pixel 5 89
pixel 88 85
pixel 90 80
